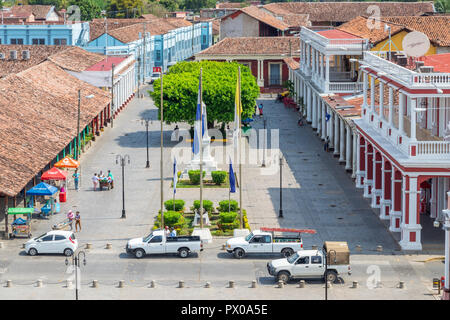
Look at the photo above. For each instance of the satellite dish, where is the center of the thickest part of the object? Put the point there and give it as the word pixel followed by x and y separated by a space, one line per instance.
pixel 415 44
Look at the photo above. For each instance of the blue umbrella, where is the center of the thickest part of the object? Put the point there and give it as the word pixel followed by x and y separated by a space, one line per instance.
pixel 42 189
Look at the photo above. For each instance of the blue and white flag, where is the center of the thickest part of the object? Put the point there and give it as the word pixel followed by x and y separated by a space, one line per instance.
pixel 232 178
pixel 175 175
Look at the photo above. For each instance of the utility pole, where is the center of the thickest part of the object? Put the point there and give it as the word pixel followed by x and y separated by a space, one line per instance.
pixel 240 152
pixel 111 116
pixel 162 158
pixel 201 149
pixel 145 45
pixel 146 122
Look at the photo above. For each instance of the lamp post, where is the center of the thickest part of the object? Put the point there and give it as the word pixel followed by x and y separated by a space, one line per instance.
pixel 75 264
pixel 123 160
pixel 280 215
pixel 77 154
pixel 146 122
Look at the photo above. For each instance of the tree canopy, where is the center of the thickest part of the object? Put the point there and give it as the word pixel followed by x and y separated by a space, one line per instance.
pixel 180 91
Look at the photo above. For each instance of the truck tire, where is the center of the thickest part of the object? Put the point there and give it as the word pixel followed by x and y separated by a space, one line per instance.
pixel 286 252
pixel 239 253
pixel 283 276
pixel 331 276
pixel 139 253
pixel 183 252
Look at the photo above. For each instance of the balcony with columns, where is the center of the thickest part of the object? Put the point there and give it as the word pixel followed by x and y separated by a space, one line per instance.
pixel 406 112
pixel 326 60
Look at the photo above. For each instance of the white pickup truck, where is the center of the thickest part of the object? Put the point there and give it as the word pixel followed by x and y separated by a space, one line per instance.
pixel 264 241
pixel 157 243
pixel 312 264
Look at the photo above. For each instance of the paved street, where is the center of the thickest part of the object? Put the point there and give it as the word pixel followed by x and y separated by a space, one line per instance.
pixel 317 194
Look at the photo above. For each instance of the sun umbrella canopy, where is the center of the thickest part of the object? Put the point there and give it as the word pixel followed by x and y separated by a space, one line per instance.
pixel 54 174
pixel 20 210
pixel 67 162
pixel 42 189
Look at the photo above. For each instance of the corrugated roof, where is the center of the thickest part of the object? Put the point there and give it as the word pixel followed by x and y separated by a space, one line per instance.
pixel 38 118
pixel 254 46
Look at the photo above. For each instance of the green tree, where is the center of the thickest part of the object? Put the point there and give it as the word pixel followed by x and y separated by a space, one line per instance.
pixel 196 5
pixel 125 8
pixel 442 6
pixel 171 5
pixel 219 89
pixel 89 9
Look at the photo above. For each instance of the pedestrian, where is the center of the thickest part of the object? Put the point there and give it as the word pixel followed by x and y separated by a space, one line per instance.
pixel 95 181
pixel 112 178
pixel 70 218
pixel 327 145
pixel 77 221
pixel 256 108
pixel 76 178
pixel 260 107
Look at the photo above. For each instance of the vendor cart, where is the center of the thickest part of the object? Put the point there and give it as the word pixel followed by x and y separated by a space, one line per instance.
pixel 105 183
pixel 21 227
pixel 63 225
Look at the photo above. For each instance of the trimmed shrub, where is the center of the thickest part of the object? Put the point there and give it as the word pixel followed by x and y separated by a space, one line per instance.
pixel 219 177
pixel 230 226
pixel 172 219
pixel 224 207
pixel 228 217
pixel 179 205
pixel 207 205
pixel 194 176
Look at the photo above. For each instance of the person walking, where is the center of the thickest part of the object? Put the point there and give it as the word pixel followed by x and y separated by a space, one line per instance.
pixel 260 107
pixel 326 147
pixel 77 221
pixel 70 218
pixel 76 179
pixel 112 178
pixel 95 181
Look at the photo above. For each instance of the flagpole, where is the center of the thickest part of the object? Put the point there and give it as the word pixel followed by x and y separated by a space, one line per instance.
pixel 201 150
pixel 240 149
pixel 162 181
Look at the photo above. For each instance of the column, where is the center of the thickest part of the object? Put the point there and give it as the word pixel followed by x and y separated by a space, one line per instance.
pixel 386 190
pixel 365 83
pixel 369 171
pixel 360 162
pixel 342 141
pixel 331 128
pixel 381 107
pixel 348 149
pixel 413 119
pixel 391 107
pixel 313 60
pixel 372 94
pixel 336 134
pixel 308 106
pixel 433 200
pixel 354 153
pixel 322 58
pixel 396 196
pixel 377 176
pixel 410 229
pixel 327 66
pixel 401 111
pixel 324 123
pixel 314 111
pixel 319 116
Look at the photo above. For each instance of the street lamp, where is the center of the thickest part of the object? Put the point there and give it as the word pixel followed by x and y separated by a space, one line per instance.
pixel 123 160
pixel 146 122
pixel 75 264
pixel 78 122
pixel 280 215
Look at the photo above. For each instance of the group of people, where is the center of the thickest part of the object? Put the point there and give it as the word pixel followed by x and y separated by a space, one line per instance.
pixel 77 218
pixel 170 232
pixel 100 176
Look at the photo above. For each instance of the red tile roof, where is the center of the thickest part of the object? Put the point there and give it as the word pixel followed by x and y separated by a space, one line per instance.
pixel 229 5
pixel 440 62
pixel 292 63
pixel 254 46
pixel 337 34
pixel 261 16
pixel 106 63
pixel 295 20
pixel 75 59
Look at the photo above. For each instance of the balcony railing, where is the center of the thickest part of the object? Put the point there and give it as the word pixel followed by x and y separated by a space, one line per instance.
pixel 345 87
pixel 356 44
pixel 433 148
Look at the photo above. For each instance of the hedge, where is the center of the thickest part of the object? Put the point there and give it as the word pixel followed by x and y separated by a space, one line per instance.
pixel 172 219
pixel 179 205
pixel 207 205
pixel 194 176
pixel 218 177
pixel 228 217
pixel 223 205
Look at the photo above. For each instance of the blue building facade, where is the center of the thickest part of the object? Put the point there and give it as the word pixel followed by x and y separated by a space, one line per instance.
pixel 76 34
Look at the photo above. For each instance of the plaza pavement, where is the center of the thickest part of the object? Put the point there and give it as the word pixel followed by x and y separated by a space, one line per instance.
pixel 317 194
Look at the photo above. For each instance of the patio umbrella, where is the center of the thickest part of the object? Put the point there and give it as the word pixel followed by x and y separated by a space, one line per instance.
pixel 67 162
pixel 54 174
pixel 42 189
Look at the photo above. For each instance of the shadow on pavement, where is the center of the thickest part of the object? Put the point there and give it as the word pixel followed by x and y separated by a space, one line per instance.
pixel 125 255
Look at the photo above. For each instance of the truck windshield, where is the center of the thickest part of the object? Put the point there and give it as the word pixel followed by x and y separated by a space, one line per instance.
pixel 247 238
pixel 293 258
pixel 145 239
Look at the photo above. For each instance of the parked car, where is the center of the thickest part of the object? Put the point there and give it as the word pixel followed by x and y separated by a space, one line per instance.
pixel 157 243
pixel 56 241
pixel 265 241
pixel 155 76
pixel 312 264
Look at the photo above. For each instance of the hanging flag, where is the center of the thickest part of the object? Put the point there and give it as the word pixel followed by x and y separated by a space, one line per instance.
pixel 175 175
pixel 232 178
pixel 197 125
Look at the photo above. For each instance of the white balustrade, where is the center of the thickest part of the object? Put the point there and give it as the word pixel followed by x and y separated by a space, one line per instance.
pixel 433 148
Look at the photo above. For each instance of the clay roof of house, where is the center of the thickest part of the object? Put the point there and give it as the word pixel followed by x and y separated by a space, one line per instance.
pixel 352 110
pixel 254 46
pixel 38 118
pixel 18 12
pixel 440 62
pixel 295 20
pixel 345 11
pixel 148 16
pixel 75 59
pixel 292 64
pixel 229 5
pixel 38 54
pixel 337 34
pixel 261 16
pixel 216 26
pixel 97 26
pixel 177 22
pixel 131 33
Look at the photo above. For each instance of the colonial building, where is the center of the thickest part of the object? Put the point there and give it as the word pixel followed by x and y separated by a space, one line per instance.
pixel 265 56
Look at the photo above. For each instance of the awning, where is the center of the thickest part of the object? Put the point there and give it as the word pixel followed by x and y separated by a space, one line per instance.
pixel 42 189
pixel 67 162
pixel 20 210
pixel 54 174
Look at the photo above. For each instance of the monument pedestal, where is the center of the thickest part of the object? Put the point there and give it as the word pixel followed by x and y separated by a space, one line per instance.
pixel 204 234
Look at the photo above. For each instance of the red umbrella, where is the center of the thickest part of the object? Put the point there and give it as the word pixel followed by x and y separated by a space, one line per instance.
pixel 54 174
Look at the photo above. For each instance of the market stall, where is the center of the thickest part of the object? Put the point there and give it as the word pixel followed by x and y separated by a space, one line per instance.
pixel 55 174
pixel 43 189
pixel 21 227
pixel 68 163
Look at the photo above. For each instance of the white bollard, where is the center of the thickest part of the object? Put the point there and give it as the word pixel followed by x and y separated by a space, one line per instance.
pixel 231 284
pixel 379 248
pixel 8 283
pixel 68 284
pixel 39 283
pixel 208 285
pixel 121 283
pixel 355 284
pixel 88 245
pixel 108 246
pixel 401 285
pixel 328 284
pixel 253 283
pixel 94 283
pixel 1 245
pixel 280 284
pixel 301 284
pixel 152 284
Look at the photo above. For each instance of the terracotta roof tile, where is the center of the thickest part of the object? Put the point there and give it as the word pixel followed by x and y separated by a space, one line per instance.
pixel 97 26
pixel 292 64
pixel 345 11
pixel 75 59
pixel 229 5
pixel 262 16
pixel 254 46
pixel 32 136
pixel 178 22
pixel 131 33
pixel 295 20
